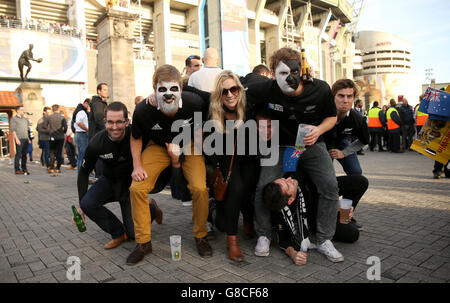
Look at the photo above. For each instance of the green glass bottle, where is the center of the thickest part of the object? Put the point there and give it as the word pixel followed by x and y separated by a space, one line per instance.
pixel 78 220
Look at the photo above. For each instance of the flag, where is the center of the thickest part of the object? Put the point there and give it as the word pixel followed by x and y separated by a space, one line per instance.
pixel 436 103
pixel 290 159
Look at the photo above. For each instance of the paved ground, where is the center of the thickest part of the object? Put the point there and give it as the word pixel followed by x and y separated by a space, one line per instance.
pixel 405 213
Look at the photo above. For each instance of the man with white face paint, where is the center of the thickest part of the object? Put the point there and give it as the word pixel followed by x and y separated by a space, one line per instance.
pixel 150 147
pixel 292 102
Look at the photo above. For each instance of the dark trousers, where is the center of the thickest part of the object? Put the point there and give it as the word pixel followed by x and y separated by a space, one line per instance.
pixel 56 147
pixel 375 139
pixel 21 155
pixel 104 191
pixel 438 168
pixel 71 154
pixel 353 188
pixel 394 140
pixel 408 133
pixel 239 193
pixel 45 154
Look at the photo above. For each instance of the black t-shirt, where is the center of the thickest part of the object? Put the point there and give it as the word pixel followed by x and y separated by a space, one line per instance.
pixel 116 158
pixel 354 126
pixel 311 107
pixel 151 124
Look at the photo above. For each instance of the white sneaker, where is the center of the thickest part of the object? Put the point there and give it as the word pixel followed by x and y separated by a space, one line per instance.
pixel 262 248
pixel 187 203
pixel 327 248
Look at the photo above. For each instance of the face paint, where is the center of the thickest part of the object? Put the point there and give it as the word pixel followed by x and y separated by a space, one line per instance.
pixel 168 95
pixel 288 76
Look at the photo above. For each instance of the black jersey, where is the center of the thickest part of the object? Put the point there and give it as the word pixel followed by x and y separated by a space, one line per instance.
pixel 149 123
pixel 312 106
pixel 116 157
pixel 352 127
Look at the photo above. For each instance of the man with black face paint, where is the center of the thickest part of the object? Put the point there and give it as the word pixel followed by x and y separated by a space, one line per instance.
pixel 150 148
pixel 292 102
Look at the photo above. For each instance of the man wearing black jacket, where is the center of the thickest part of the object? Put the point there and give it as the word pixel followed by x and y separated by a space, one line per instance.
pixel 57 129
pixel 350 133
pixel 112 147
pixel 96 118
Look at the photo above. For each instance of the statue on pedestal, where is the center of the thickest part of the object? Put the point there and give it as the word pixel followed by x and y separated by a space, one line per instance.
pixel 24 59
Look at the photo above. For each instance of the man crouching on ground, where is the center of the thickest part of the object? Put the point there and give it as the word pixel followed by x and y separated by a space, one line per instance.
pixel 151 129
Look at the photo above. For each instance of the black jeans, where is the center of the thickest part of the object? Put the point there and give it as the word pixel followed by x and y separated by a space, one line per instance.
pixel 375 139
pixel 241 186
pixel 21 155
pixel 408 132
pixel 56 147
pixel 353 188
pixel 71 154
pixel 104 191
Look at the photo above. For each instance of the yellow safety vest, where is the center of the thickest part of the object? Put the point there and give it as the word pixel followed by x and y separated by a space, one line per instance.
pixel 374 119
pixel 391 125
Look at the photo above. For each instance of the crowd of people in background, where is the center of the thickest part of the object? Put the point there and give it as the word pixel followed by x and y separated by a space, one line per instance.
pixel 41 26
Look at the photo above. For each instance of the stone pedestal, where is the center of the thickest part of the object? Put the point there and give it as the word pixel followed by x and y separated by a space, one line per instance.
pixel 115 59
pixel 31 96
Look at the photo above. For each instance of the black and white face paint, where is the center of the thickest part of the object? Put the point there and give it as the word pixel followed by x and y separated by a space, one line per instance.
pixel 168 95
pixel 288 76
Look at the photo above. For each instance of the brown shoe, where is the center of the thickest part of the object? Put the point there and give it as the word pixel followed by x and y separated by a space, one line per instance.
pixel 158 212
pixel 234 252
pixel 248 230
pixel 19 172
pixel 50 170
pixel 116 242
pixel 57 171
pixel 203 247
pixel 139 253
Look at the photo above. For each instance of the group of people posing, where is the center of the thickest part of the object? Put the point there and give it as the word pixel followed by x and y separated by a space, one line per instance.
pixel 169 138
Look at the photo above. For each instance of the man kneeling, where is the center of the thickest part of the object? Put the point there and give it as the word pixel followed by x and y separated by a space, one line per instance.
pixel 112 147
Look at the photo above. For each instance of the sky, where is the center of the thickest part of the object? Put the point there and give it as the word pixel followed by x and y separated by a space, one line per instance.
pixel 424 23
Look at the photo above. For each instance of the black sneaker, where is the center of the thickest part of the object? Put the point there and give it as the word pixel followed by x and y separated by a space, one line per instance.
pixel 203 247
pixel 139 253
pixel 356 224
pixel 436 175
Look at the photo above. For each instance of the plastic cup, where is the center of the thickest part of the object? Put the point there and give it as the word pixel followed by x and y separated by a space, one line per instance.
pixel 175 247
pixel 301 133
pixel 344 211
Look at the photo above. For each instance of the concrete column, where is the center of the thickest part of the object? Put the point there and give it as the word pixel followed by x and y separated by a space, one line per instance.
pixel 256 26
pixel 193 24
pixel 273 41
pixel 23 8
pixel 75 15
pixel 214 25
pixel 161 28
pixel 115 59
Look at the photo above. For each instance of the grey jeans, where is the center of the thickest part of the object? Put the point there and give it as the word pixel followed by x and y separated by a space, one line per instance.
pixel 317 164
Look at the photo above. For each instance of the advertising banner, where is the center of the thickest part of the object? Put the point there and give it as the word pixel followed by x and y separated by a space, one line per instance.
pixel 235 49
pixel 63 57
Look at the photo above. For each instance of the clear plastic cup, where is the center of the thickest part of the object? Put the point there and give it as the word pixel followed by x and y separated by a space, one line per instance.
pixel 175 247
pixel 344 210
pixel 301 133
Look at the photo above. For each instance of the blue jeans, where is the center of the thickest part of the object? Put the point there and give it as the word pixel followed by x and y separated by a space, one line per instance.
pixel 81 139
pixel 317 165
pixel 350 164
pixel 104 191
pixel 45 155
pixel 21 155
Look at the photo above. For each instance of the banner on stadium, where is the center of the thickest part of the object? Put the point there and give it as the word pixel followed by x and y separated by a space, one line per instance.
pixel 235 49
pixel 64 57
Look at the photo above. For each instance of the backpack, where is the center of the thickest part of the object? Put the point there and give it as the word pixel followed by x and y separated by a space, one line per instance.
pixel 75 112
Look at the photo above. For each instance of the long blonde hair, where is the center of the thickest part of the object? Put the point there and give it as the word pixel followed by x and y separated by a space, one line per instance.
pixel 216 111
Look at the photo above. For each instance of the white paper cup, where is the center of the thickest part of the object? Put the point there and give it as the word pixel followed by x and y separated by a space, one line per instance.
pixel 175 247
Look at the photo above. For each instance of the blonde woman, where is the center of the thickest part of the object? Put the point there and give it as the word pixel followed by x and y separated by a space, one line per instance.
pixel 228 103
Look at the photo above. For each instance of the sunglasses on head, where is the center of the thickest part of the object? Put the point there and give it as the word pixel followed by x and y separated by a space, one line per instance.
pixel 234 90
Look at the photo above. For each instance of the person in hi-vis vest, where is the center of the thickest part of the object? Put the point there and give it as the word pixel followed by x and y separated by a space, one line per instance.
pixel 393 126
pixel 420 117
pixel 375 119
